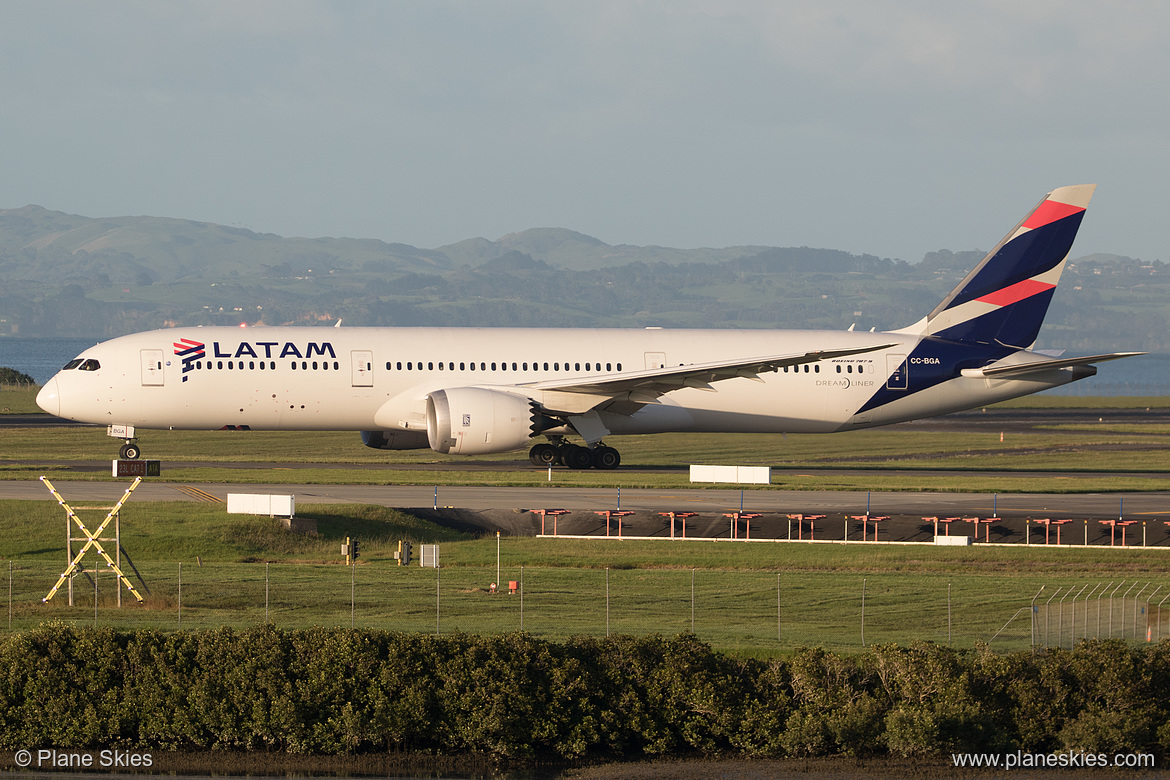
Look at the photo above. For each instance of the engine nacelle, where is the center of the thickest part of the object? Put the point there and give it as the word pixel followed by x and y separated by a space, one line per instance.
pixel 477 421
pixel 395 440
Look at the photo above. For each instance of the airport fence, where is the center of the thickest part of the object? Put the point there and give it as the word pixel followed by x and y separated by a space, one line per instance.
pixel 757 612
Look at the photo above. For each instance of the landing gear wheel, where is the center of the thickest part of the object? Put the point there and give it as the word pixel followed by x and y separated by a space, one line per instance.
pixel 578 457
pixel 606 458
pixel 542 455
pixel 129 452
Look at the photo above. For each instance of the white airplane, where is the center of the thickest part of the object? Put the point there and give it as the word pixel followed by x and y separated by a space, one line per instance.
pixel 472 391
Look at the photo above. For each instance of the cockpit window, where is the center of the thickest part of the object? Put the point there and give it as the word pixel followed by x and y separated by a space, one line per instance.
pixel 72 364
pixel 89 365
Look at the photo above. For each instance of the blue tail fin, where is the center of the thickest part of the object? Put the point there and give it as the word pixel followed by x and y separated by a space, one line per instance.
pixel 1004 300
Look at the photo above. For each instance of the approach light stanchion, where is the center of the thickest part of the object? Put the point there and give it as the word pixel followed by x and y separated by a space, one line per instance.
pixel 555 513
pixel 1058 524
pixel 986 521
pixel 736 517
pixel 812 526
pixel 676 515
pixel 799 526
pixel 618 513
pixel 93 540
pixel 1112 530
pixel 1123 524
pixel 1046 522
pixel 864 525
pixel 866 519
pixel 946 521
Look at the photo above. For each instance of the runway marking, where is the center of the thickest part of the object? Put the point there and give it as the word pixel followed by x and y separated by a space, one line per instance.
pixel 198 494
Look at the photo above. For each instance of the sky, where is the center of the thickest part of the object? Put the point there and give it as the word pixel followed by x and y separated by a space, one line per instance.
pixel 871 126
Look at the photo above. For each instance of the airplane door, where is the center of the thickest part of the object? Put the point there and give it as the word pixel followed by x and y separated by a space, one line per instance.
pixel 152 367
pixel 655 359
pixel 896 370
pixel 362 362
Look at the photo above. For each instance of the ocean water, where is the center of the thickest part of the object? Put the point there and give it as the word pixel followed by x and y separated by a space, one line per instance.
pixel 1144 375
pixel 40 358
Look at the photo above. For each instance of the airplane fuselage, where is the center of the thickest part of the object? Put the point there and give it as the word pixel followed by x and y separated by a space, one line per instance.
pixel 362 379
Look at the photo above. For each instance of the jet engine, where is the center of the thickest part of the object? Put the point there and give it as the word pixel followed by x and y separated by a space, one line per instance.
pixel 395 440
pixel 476 420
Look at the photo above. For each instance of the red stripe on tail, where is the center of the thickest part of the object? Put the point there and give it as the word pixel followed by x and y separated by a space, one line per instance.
pixel 1016 292
pixel 1050 211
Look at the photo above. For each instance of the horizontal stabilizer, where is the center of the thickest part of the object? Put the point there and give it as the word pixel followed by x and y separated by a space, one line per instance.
pixel 1039 366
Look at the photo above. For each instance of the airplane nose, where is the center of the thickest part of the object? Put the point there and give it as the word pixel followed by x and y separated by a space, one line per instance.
pixel 49 398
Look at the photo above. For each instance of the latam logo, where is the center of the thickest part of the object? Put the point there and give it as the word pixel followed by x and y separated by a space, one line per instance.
pixel 271 349
pixel 189 351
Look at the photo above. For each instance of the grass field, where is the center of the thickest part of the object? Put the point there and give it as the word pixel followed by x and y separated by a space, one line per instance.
pixel 754 599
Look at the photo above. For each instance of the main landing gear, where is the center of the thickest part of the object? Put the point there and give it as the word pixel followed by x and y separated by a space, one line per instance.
pixel 574 456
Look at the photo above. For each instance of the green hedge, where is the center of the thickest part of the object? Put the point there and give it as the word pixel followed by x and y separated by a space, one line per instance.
pixel 333 691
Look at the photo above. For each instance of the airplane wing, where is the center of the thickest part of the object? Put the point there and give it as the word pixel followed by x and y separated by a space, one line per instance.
pixel 627 392
pixel 1044 365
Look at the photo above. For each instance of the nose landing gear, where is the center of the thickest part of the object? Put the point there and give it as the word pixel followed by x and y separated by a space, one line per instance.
pixel 130 450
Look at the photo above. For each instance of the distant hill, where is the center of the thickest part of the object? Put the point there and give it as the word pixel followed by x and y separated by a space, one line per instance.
pixel 68 275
